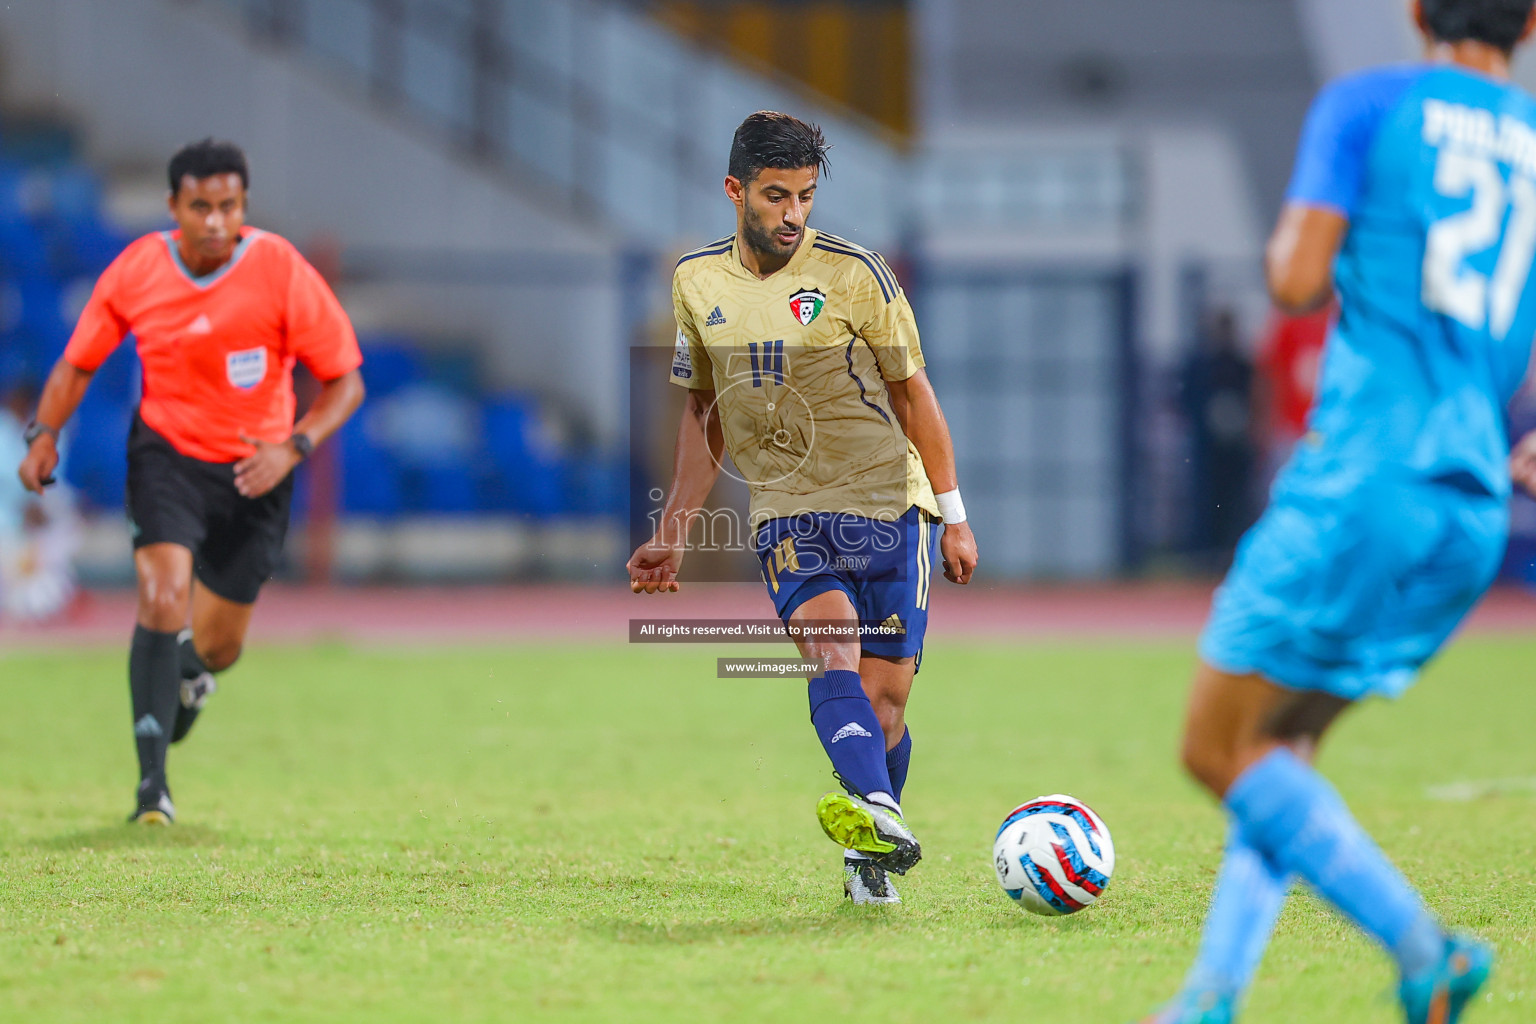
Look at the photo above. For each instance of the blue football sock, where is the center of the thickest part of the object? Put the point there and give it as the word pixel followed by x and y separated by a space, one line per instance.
pixel 1290 814
pixel 1249 895
pixel 896 761
pixel 849 731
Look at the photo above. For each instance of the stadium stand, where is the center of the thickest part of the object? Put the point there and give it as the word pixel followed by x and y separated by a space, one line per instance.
pixel 430 442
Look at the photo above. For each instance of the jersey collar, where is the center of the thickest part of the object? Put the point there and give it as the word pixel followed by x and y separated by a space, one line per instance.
pixel 794 261
pixel 247 236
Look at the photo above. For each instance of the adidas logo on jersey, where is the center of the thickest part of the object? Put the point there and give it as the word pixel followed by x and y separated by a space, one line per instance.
pixel 894 624
pixel 851 729
pixel 716 318
pixel 202 325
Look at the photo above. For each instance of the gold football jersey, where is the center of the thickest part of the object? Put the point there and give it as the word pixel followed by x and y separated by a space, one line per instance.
pixel 798 364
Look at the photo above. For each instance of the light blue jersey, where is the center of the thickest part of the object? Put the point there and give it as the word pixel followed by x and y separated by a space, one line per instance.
pixel 1390 520
pixel 1435 167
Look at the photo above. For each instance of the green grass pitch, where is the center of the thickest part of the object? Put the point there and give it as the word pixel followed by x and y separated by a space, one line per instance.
pixel 569 833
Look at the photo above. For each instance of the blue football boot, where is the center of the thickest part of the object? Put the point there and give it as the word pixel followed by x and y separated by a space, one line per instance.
pixel 1197 1007
pixel 1438 995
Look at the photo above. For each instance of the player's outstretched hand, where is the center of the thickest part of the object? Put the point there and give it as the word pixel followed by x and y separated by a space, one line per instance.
pixel 37 468
pixel 958 549
pixel 653 568
pixel 265 468
pixel 1522 463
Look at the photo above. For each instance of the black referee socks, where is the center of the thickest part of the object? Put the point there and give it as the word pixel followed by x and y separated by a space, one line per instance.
pixel 191 664
pixel 154 680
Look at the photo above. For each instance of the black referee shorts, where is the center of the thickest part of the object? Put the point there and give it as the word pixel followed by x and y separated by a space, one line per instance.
pixel 236 542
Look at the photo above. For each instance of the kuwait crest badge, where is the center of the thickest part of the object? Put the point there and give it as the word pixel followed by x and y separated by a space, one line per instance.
pixel 807 305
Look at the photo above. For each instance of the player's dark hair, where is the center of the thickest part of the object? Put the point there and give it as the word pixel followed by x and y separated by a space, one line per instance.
pixel 204 159
pixel 770 139
pixel 1495 22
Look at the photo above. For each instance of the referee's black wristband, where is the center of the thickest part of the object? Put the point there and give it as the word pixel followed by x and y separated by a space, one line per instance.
pixel 36 430
pixel 302 444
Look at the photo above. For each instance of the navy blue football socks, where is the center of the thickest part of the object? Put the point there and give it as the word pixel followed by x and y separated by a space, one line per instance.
pixel 896 761
pixel 154 682
pixel 1250 894
pixel 1295 819
pixel 849 731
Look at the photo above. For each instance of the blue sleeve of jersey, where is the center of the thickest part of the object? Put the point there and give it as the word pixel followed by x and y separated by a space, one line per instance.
pixel 1336 141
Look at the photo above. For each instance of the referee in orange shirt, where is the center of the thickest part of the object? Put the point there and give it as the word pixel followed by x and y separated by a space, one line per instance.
pixel 221 312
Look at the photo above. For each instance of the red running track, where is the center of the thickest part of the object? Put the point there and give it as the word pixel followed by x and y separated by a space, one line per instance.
pixel 408 615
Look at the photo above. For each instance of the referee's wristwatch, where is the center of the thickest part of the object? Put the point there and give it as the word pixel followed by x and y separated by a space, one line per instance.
pixel 36 430
pixel 301 444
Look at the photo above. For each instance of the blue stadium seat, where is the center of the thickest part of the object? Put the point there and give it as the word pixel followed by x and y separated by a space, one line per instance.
pixel 13 179
pixel 96 463
pixel 390 362
pixel 445 488
pixel 528 479
pixel 84 248
pixel 53 233
pixel 41 310
pixel 40 142
pixel 594 485
pixel 61 211
pixel 32 327
pixel 23 247
pixel 370 479
pixel 74 194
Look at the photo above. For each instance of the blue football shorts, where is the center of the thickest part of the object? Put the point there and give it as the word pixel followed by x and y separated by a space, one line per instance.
pixel 1349 584
pixel 885 568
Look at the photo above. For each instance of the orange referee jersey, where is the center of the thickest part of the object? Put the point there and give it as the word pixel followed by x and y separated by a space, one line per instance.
pixel 218 351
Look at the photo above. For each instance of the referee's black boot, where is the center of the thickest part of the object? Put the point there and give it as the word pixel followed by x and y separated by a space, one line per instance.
pixel 155 807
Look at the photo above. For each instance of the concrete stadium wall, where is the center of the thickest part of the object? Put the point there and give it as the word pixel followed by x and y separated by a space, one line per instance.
pixel 1205 97
pixel 1345 37
pixel 1243 67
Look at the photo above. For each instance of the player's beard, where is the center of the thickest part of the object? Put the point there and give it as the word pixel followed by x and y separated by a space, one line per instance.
pixel 761 240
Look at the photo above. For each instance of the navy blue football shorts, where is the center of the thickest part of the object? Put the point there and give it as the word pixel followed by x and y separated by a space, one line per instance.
pixel 884 566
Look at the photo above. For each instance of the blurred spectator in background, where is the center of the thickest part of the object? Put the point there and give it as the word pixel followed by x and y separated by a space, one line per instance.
pixel 1216 383
pixel 1289 360
pixel 39 536
pixel 1520 558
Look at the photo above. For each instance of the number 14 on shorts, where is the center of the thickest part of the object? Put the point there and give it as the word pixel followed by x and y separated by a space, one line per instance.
pixel 783 556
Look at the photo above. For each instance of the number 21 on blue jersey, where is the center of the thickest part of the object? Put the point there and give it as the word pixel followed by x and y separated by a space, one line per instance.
pixel 1473 299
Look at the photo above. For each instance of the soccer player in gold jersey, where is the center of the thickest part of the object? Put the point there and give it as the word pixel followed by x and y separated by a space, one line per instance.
pixel 801 358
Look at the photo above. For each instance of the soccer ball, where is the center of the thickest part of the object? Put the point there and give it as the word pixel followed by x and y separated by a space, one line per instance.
pixel 1053 855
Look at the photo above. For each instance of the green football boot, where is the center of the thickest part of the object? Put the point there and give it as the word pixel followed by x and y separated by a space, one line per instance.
pixel 872 829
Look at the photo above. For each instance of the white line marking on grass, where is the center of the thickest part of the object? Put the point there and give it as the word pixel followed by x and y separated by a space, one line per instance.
pixel 1477 789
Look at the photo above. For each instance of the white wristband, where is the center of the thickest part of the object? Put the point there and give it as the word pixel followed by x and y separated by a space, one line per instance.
pixel 951 508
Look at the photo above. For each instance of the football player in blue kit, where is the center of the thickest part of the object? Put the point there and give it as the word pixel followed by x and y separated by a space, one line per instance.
pixel 1414 198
